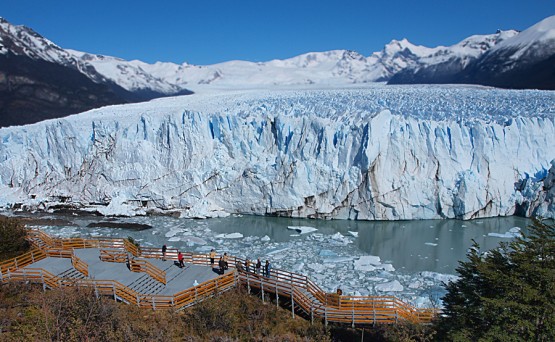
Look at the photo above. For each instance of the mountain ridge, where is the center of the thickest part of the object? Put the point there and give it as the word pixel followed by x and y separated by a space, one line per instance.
pixel 507 59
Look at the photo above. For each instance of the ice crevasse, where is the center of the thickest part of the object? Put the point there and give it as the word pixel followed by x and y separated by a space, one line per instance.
pixel 365 154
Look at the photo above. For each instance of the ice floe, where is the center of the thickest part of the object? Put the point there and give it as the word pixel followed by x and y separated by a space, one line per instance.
pixel 302 229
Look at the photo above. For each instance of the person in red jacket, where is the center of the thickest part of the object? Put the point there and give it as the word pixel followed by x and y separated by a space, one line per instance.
pixel 180 259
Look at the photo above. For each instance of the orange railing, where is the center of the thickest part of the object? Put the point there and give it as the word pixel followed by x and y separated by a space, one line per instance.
pixel 21 261
pixel 137 265
pixel 80 265
pixel 304 293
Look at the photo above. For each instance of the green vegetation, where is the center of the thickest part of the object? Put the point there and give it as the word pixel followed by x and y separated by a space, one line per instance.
pixel 12 237
pixel 72 314
pixel 507 294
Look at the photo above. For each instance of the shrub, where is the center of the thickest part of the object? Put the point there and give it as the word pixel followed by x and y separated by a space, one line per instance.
pixel 12 235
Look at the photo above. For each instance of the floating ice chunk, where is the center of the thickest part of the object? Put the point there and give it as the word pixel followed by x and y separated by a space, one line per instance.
pixel 230 236
pixel 415 284
pixel 367 263
pixel 327 253
pixel 337 259
pixel 193 240
pixel 340 238
pixel 391 286
pixel 294 235
pixel 266 238
pixel 173 232
pixel 440 277
pixel 387 267
pixel 430 244
pixel 298 267
pixel 318 268
pixel 175 238
pixel 302 229
pixel 512 233
pixel 355 234
pixel 278 250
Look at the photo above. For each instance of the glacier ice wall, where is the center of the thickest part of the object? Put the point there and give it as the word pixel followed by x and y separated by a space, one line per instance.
pixel 381 153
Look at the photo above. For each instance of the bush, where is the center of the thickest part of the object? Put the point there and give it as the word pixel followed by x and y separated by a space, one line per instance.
pixel 12 235
pixel 507 294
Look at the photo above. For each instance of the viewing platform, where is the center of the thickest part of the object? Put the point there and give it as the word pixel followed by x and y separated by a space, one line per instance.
pixel 139 276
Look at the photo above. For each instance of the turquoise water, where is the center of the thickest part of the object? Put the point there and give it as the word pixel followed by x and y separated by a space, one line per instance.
pixel 411 246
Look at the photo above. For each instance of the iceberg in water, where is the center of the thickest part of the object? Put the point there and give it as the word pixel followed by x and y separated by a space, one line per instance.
pixel 373 153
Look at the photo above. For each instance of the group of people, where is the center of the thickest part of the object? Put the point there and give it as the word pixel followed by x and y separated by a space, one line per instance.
pixel 223 263
pixel 266 271
pixel 180 258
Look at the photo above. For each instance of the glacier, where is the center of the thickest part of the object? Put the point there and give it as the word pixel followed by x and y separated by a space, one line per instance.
pixel 370 152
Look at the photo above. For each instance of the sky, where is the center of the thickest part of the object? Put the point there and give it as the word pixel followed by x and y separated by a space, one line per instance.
pixel 211 31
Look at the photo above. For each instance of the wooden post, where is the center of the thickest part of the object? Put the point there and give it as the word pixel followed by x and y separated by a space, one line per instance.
pixel 16 263
pixel 262 288
pixel 95 290
pixel 138 300
pixel 277 296
pixel 153 303
pixel 248 284
pixel 374 310
pixel 353 303
pixel 32 257
pixel 292 303
pixel 43 283
pixel 114 289
pixel 311 314
pixel 326 312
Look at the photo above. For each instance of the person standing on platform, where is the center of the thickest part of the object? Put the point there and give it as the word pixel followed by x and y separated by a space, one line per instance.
pixel 248 265
pixel 226 265
pixel 221 264
pixel 164 249
pixel 180 259
pixel 258 266
pixel 212 257
pixel 267 269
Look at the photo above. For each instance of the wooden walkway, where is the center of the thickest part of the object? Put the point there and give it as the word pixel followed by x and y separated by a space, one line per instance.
pixel 139 276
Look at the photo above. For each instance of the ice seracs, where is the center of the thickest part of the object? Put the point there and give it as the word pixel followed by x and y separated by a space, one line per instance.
pixel 364 153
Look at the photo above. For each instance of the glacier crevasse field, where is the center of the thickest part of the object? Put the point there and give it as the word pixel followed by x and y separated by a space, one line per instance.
pixel 364 153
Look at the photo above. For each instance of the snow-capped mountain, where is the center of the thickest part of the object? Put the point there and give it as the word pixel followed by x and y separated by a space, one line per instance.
pixel 523 60
pixel 84 80
pixel 40 80
pixel 370 152
pixel 336 67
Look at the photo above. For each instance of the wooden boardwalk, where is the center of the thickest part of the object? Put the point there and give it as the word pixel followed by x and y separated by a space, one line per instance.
pixel 139 276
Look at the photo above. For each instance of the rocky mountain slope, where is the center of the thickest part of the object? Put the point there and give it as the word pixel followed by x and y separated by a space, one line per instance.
pixel 522 61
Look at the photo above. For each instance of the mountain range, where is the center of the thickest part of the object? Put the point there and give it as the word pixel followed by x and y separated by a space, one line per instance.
pixel 40 80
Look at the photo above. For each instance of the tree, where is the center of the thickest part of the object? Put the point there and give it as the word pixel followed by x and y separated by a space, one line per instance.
pixel 507 294
pixel 12 238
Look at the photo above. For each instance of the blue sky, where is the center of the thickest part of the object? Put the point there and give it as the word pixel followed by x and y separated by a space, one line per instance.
pixel 211 31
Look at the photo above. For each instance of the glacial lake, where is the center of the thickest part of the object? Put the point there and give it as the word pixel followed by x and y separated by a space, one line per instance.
pixel 415 256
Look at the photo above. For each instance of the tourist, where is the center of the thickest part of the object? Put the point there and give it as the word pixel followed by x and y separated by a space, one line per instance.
pixel 339 291
pixel 180 259
pixel 212 256
pixel 226 265
pixel 164 249
pixel 248 265
pixel 267 269
pixel 221 264
pixel 258 266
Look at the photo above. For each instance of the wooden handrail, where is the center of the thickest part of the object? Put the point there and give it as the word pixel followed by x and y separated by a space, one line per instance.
pixel 305 293
pixel 80 265
pixel 22 260
pixel 138 265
